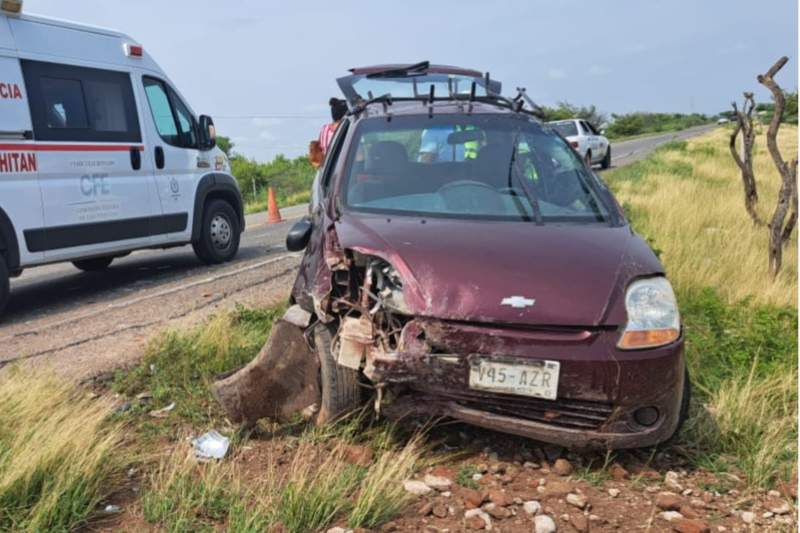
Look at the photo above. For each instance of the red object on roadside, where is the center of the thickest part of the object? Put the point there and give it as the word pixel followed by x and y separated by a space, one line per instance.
pixel 273 213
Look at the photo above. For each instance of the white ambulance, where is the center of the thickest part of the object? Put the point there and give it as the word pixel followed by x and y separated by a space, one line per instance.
pixel 99 153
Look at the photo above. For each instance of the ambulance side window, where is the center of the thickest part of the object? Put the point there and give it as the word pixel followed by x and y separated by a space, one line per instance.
pixel 80 104
pixel 174 122
pixel 64 103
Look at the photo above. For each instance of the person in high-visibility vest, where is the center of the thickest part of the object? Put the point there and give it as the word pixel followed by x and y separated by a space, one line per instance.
pixel 434 146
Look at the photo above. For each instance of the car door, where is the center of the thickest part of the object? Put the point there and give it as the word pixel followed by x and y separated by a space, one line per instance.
pixel 597 143
pixel 96 188
pixel 20 196
pixel 174 155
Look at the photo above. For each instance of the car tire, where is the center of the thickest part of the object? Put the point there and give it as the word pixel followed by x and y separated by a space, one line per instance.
pixel 5 285
pixel 94 264
pixel 219 235
pixel 588 159
pixel 340 390
pixel 686 400
pixel 683 413
pixel 606 164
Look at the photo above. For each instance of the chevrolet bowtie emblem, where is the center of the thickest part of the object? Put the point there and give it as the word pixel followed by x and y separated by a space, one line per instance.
pixel 518 302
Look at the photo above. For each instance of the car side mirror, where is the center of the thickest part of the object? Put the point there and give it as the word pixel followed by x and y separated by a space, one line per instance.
pixel 208 133
pixel 299 235
pixel 602 132
pixel 315 155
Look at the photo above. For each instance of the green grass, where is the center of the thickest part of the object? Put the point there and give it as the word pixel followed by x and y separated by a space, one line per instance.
pixel 464 476
pixel 179 366
pixel 596 472
pixel 741 346
pixel 60 454
pixel 260 205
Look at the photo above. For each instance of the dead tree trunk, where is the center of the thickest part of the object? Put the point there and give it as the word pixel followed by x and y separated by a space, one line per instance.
pixel 744 124
pixel 787 197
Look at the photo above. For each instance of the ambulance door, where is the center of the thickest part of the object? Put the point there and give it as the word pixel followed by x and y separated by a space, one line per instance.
pixel 172 132
pixel 95 180
pixel 20 197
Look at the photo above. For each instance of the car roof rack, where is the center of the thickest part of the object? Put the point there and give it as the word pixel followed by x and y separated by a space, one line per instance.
pixel 517 104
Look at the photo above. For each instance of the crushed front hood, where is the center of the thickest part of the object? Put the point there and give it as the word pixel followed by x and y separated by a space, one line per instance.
pixel 466 270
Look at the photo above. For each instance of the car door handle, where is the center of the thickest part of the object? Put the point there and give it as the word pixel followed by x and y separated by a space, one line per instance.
pixel 136 158
pixel 159 157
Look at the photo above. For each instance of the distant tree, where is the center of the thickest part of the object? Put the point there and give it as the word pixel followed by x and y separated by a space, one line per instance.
pixel 225 144
pixel 565 110
pixel 790 111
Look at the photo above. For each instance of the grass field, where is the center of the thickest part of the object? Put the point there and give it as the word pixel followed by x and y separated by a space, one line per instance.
pixel 741 324
pixel 64 450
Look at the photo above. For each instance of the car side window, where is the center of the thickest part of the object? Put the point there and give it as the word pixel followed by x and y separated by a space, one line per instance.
pixel 174 123
pixel 81 104
pixel 589 128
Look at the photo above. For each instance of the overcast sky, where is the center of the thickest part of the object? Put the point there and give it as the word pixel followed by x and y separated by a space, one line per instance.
pixel 272 65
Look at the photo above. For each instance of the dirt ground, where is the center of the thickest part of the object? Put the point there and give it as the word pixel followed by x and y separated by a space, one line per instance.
pixel 516 480
pixel 100 336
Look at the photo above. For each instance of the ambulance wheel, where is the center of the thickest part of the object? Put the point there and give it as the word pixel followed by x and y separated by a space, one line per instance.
pixel 5 287
pixel 220 234
pixel 339 386
pixel 93 265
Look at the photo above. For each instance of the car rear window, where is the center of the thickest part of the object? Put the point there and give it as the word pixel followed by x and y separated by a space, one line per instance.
pixel 565 129
pixel 469 166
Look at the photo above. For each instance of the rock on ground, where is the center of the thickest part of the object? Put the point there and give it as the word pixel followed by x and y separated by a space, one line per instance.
pixel 532 507
pixel 544 524
pixel 562 467
pixel 437 482
pixel 417 488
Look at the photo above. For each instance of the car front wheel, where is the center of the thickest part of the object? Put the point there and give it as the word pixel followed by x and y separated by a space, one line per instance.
pixel 341 392
pixel 5 286
pixel 219 238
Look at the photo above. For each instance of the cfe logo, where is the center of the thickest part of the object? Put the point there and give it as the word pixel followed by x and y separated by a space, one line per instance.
pixel 17 162
pixel 10 91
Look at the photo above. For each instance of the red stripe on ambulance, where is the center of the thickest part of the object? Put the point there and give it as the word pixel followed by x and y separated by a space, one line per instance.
pixel 17 162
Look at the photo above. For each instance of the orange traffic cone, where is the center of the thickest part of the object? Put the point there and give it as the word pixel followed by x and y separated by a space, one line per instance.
pixel 274 214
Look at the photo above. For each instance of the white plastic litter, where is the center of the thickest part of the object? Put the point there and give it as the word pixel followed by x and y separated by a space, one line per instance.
pixel 212 445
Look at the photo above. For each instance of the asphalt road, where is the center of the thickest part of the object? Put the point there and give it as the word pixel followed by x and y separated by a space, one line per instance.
pixel 89 322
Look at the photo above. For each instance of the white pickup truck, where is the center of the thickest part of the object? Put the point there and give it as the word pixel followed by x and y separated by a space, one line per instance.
pixel 586 140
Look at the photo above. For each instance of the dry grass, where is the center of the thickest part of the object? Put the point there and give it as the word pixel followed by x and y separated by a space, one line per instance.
pixel 317 488
pixel 755 420
pixel 59 454
pixel 381 495
pixel 689 202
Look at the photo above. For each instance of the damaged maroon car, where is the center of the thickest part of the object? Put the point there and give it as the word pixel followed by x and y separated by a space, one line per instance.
pixel 461 260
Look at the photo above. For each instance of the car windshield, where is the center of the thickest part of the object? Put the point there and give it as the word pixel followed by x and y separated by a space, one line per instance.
pixel 469 166
pixel 565 129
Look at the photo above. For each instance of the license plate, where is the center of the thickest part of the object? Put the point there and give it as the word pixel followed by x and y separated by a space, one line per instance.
pixel 537 378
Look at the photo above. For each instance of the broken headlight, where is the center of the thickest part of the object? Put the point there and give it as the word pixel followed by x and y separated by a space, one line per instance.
pixel 653 317
pixel 388 285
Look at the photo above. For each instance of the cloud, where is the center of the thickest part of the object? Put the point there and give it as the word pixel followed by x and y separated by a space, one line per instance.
pixel 599 70
pixel 556 74
pixel 263 122
pixel 267 135
pixel 315 108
